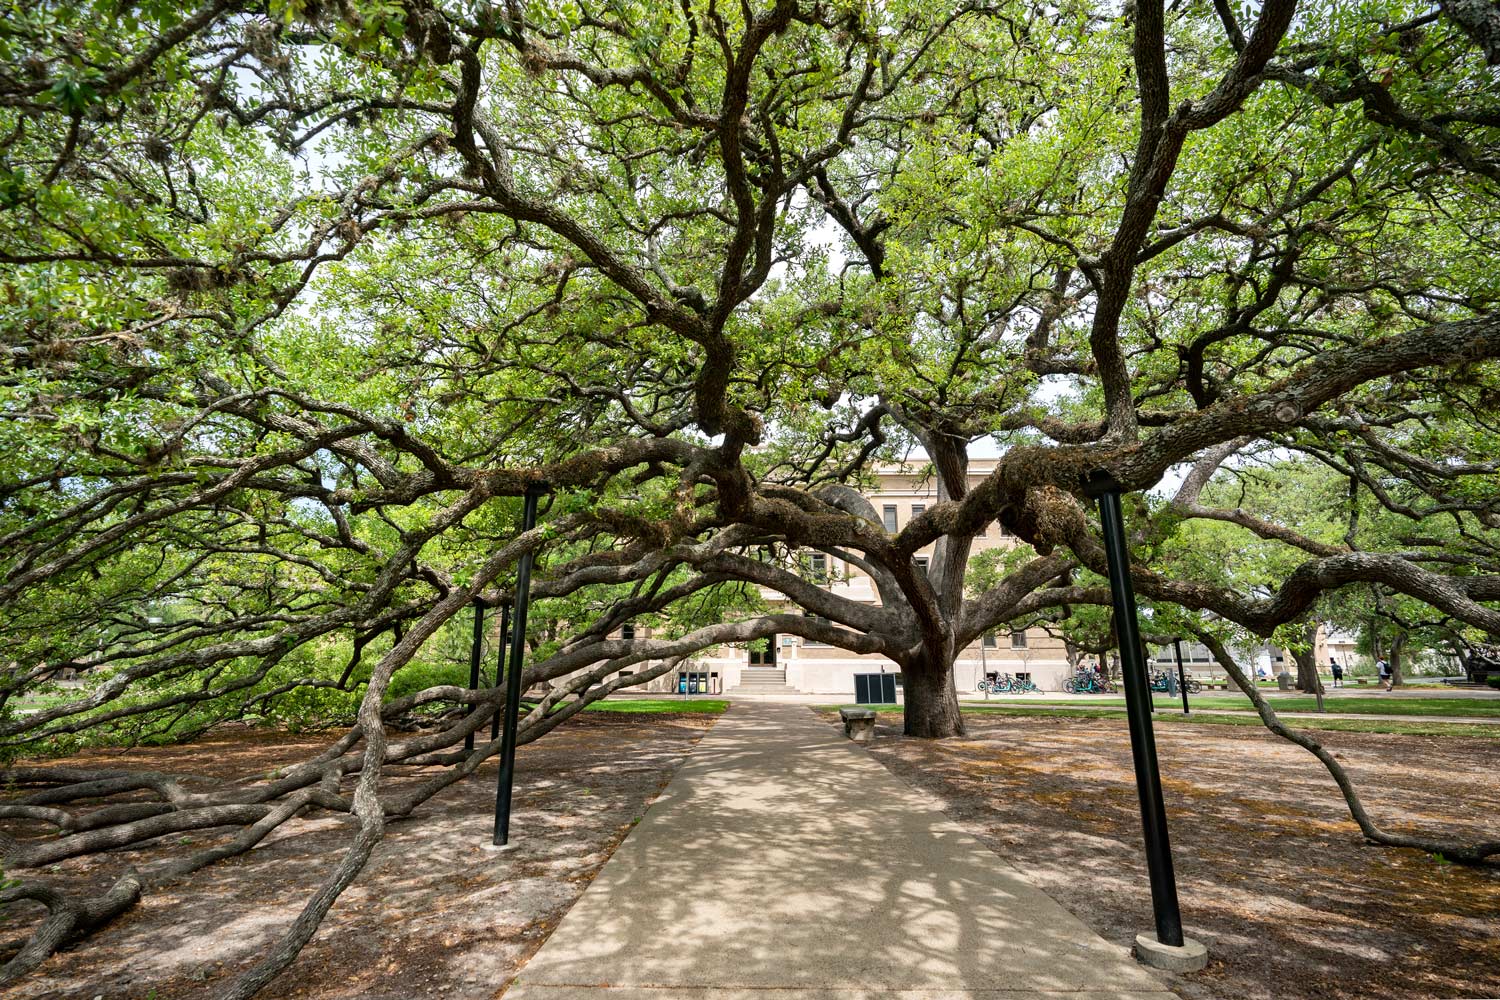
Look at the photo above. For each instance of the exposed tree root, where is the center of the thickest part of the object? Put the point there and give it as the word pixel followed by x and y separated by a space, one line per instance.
pixel 66 920
pixel 258 809
pixel 1453 851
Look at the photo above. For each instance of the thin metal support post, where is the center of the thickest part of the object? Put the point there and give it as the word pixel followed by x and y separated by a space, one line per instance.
pixel 1106 490
pixel 475 649
pixel 500 662
pixel 984 668
pixel 506 781
pixel 1181 676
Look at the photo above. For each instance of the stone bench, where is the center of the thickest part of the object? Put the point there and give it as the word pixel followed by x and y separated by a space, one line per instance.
pixel 859 723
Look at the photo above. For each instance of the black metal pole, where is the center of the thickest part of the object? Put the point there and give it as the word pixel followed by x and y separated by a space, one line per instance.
pixel 1106 490
pixel 506 781
pixel 500 661
pixel 1181 676
pixel 474 652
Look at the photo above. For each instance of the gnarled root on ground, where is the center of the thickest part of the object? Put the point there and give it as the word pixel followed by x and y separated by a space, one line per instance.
pixel 1451 850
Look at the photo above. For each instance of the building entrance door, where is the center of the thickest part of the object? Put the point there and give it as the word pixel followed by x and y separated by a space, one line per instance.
pixel 766 657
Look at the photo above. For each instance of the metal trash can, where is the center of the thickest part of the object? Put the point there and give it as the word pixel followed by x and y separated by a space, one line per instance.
pixel 697 682
pixel 1283 681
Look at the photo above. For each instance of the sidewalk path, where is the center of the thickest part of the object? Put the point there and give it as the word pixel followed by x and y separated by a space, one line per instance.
pixel 784 863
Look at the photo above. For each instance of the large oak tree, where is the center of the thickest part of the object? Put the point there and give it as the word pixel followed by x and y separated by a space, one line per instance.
pixel 300 297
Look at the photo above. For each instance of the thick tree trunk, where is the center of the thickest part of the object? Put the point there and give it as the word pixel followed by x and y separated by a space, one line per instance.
pixel 931 701
pixel 1307 667
pixel 1398 647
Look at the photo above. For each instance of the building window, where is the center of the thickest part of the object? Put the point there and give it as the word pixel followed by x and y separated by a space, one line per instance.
pixel 917 510
pixel 890 517
pixel 1018 639
pixel 817 566
pixel 1022 676
pixel 989 641
pixel 921 562
pixel 627 631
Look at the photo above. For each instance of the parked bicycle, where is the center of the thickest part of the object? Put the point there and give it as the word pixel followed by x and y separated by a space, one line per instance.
pixel 1088 681
pixel 997 684
pixel 1161 680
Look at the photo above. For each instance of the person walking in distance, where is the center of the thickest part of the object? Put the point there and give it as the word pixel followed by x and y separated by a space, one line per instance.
pixel 1338 671
pixel 1384 669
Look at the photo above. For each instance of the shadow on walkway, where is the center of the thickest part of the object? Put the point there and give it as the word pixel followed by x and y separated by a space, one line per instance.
pixel 782 857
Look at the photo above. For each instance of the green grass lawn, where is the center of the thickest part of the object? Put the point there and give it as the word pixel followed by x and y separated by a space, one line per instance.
pixel 659 706
pixel 41 702
pixel 1396 726
pixel 1472 707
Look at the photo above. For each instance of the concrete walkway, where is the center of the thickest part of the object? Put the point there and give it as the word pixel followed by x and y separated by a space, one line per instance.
pixel 785 863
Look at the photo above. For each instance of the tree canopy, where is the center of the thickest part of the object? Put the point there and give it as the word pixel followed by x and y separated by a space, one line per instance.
pixel 299 297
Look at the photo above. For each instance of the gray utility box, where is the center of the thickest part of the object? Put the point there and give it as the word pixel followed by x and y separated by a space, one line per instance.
pixel 875 689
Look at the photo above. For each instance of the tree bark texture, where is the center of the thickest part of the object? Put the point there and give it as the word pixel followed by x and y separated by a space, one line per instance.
pixel 931 710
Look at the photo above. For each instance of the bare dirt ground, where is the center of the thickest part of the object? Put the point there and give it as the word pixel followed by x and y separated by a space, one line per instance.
pixel 433 914
pixel 1272 873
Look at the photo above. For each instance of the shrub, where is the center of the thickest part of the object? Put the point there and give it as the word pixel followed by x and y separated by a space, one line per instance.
pixel 416 677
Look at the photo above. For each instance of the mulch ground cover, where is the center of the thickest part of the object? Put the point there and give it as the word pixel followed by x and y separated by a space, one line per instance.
pixel 433 914
pixel 1272 873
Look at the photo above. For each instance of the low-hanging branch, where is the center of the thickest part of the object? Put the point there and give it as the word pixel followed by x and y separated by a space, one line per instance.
pixel 1465 853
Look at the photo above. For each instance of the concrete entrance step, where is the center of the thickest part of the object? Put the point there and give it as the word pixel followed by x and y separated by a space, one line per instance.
pixel 762 680
pixel 763 675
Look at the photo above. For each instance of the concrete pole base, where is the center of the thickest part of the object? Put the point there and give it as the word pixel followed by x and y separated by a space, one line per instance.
pixel 498 848
pixel 1190 957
